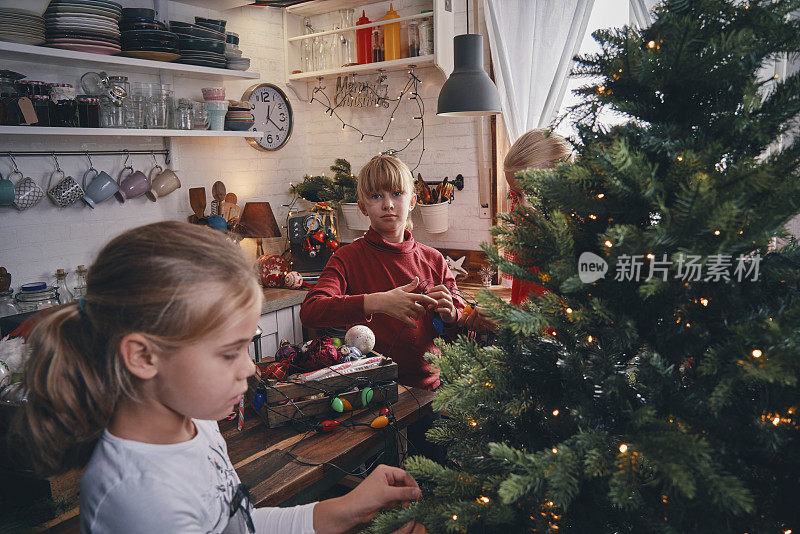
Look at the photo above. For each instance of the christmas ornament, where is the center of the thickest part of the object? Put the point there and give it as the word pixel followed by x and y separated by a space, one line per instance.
pixel 286 352
pixel 384 411
pixel 350 352
pixel 273 280
pixel 294 280
pixel 312 253
pixel 361 337
pixel 270 263
pixel 318 236
pixel 337 342
pixel 332 245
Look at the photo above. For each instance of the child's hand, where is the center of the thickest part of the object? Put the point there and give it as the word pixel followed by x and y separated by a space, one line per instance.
pixel 401 303
pixel 385 488
pixel 444 303
pixel 476 320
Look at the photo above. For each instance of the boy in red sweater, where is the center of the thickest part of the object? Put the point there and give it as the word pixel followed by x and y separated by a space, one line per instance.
pixel 388 281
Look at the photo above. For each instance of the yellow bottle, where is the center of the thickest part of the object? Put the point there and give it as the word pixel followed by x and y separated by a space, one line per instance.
pixel 391 36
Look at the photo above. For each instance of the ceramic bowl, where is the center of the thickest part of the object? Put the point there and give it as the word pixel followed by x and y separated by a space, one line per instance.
pixel 238 126
pixel 215 93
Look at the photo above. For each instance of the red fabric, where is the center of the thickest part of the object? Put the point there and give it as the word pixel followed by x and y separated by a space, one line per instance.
pixel 369 265
pixel 520 289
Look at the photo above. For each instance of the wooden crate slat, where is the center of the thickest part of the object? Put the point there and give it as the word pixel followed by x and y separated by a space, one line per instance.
pixel 282 415
pixel 279 392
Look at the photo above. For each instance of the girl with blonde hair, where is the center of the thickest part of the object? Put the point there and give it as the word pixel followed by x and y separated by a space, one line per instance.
pixel 130 380
pixel 535 149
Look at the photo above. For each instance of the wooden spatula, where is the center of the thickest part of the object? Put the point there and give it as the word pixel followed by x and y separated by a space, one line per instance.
pixel 228 208
pixel 197 200
pixel 218 191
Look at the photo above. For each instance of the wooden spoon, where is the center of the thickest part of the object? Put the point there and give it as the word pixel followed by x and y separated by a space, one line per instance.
pixel 231 197
pixel 228 209
pixel 218 191
pixel 197 200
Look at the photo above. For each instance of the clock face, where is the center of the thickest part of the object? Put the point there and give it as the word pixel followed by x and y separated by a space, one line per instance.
pixel 273 115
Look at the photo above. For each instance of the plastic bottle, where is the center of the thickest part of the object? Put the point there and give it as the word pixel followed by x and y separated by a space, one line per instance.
pixel 364 41
pixel 391 36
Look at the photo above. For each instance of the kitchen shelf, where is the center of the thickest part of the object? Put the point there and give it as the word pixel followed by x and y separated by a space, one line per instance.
pixel 57 56
pixel 123 132
pixel 440 12
pixel 216 5
pixel 418 16
pixel 419 61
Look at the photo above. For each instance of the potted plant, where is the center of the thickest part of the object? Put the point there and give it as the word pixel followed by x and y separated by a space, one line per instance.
pixel 345 187
pixel 314 189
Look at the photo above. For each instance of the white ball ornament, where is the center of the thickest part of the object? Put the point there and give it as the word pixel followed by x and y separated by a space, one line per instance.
pixel 361 337
pixel 294 280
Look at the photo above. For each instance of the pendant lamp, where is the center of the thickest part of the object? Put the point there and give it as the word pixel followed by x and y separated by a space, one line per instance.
pixel 468 91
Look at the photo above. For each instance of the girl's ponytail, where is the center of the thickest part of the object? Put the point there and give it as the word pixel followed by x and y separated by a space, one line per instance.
pixel 70 398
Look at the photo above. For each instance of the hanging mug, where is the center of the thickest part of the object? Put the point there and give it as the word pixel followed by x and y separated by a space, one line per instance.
pixel 165 182
pixel 6 191
pixel 134 185
pixel 26 193
pixel 66 192
pixel 101 188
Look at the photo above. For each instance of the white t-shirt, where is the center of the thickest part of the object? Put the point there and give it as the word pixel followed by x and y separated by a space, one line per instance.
pixel 130 487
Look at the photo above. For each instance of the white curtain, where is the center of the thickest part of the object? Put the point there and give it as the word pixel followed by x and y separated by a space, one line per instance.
pixel 641 12
pixel 532 44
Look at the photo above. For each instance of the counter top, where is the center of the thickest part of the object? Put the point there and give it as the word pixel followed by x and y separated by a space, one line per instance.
pixel 277 299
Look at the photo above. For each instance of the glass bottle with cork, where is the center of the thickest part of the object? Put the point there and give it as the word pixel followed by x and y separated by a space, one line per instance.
pixel 64 294
pixel 80 282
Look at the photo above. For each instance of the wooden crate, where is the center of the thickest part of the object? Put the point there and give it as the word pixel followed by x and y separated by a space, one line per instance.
pixel 273 413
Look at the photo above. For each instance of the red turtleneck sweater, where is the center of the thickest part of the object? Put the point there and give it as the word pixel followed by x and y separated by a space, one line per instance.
pixel 371 265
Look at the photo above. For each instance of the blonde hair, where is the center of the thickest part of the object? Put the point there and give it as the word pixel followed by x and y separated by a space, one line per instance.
pixel 385 173
pixel 147 280
pixel 537 149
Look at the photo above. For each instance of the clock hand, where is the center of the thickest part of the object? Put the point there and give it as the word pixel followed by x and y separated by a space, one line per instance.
pixel 276 126
pixel 267 112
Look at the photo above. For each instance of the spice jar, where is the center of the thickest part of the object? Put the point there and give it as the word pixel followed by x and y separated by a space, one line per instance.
pixel 36 296
pixel 42 105
pixel 88 112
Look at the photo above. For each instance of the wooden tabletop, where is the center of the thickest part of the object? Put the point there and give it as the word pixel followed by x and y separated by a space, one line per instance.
pixel 259 455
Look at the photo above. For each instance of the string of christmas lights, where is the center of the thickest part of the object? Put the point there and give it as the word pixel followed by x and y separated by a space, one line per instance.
pixel 410 88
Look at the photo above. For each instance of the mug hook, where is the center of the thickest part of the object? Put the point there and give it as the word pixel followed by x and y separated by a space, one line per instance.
pixel 58 167
pixel 91 166
pixel 155 161
pixel 11 157
pixel 127 157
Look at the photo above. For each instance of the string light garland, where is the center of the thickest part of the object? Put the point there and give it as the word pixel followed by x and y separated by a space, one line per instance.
pixel 410 88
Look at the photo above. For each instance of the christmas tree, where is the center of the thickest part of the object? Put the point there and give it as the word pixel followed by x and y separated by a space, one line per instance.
pixel 661 394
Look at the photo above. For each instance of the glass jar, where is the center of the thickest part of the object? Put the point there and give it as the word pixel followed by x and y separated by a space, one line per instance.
pixel 65 114
pixel 111 115
pixel 183 115
pixel 118 89
pixel 80 282
pixel 42 105
pixel 7 306
pixel 64 294
pixel 36 296
pixel 425 31
pixel 307 59
pixel 413 38
pixel 88 112
pixel 199 116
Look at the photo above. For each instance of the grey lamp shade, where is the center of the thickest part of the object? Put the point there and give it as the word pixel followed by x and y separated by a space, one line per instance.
pixel 468 91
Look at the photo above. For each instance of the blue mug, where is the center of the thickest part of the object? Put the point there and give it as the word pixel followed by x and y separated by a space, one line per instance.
pixel 6 191
pixel 102 187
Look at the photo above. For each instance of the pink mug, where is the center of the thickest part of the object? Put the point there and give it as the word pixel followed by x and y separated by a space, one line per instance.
pixel 134 185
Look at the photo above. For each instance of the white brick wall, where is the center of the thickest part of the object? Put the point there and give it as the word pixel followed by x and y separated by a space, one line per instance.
pixel 34 243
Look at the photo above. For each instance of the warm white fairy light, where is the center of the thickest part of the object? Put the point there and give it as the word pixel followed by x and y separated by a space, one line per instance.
pixel 623 448
pixel 555 450
pixel 704 301
pixel 569 310
pixel 756 353
pixel 555 412
pixel 716 232
pixel 608 243
pixel 601 195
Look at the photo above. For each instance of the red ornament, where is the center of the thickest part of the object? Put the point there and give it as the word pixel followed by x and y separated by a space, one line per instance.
pixel 270 263
pixel 318 236
pixel 384 411
pixel 275 280
pixel 306 245
pixel 332 245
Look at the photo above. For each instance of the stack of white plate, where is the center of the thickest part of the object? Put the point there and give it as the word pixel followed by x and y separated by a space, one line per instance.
pixel 20 26
pixel 84 25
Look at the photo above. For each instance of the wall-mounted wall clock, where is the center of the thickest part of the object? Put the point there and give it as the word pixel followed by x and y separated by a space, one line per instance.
pixel 273 115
